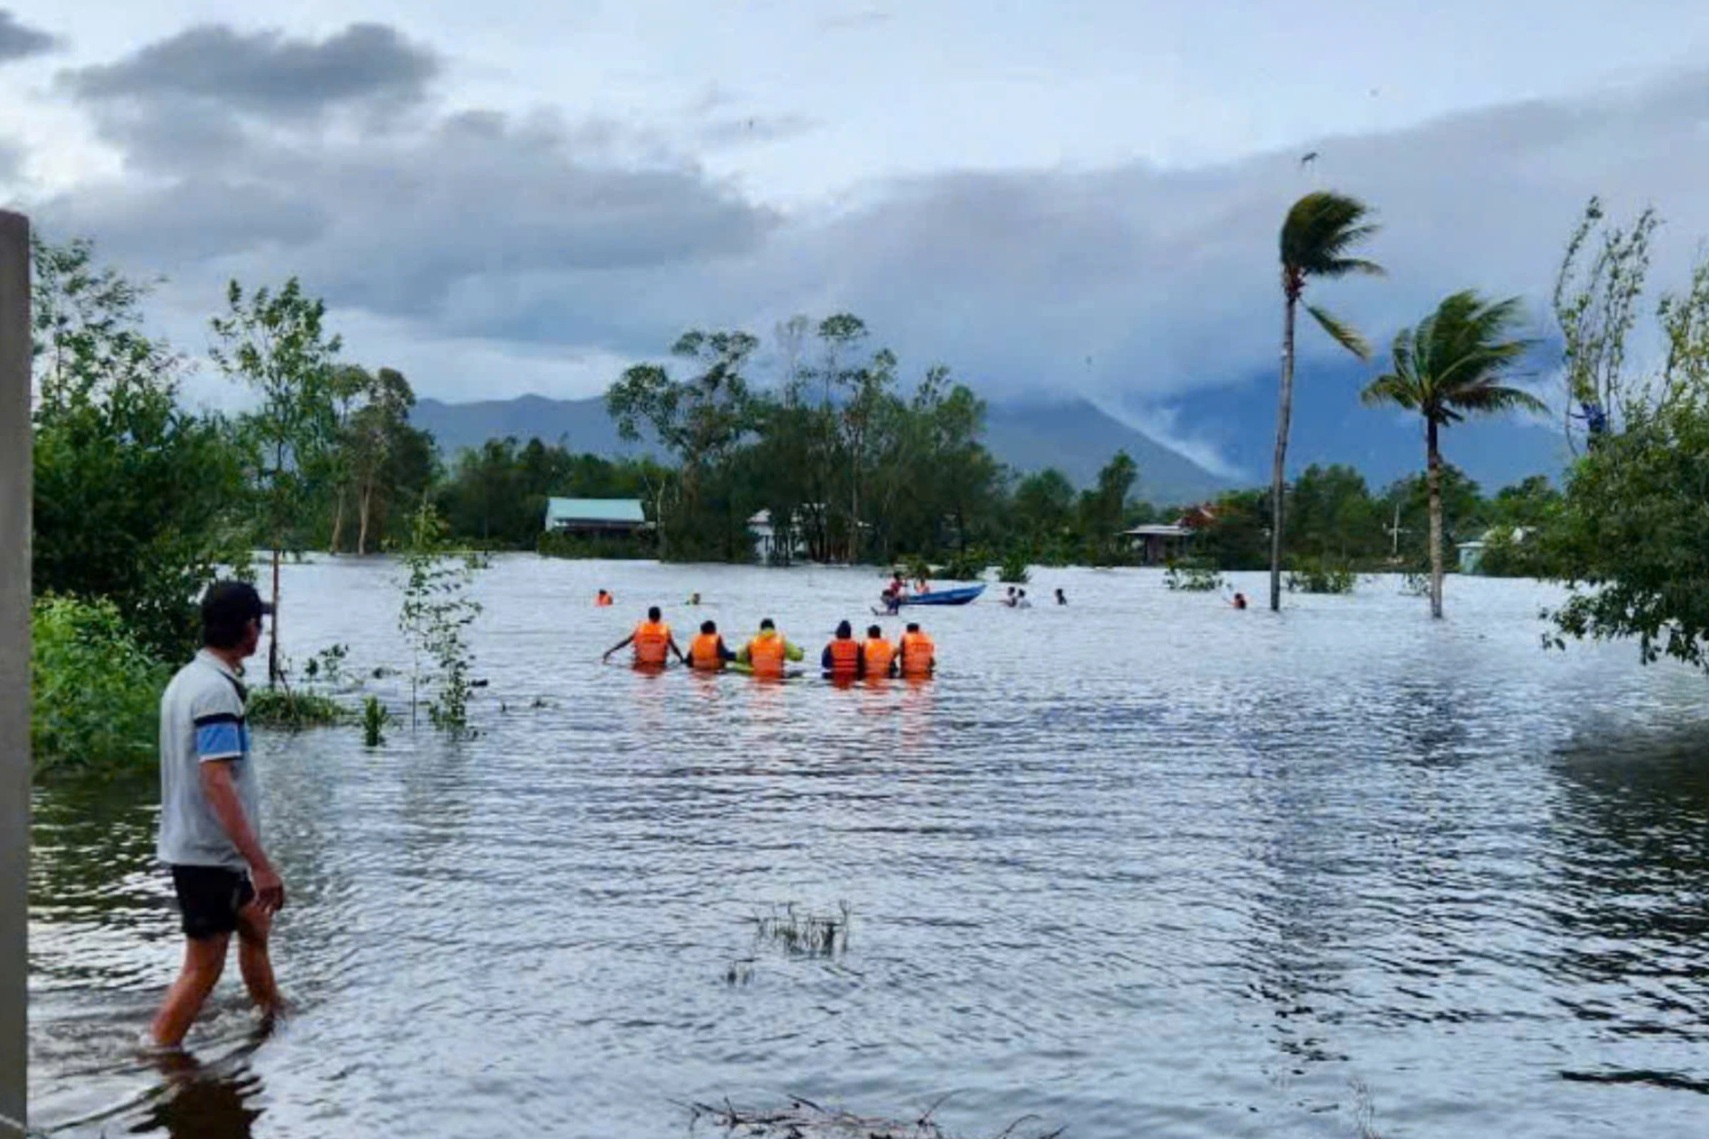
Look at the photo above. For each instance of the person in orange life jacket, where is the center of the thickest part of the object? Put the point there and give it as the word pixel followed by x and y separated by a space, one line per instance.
pixel 652 640
pixel 706 653
pixel 841 658
pixel 766 653
pixel 918 656
pixel 877 655
pixel 603 599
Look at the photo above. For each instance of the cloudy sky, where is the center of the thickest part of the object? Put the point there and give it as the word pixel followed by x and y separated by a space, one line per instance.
pixel 1079 196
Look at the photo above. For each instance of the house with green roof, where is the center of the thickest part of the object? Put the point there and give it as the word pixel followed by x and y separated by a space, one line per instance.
pixel 595 516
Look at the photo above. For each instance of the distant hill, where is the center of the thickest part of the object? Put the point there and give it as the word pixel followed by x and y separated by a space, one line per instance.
pixel 1075 437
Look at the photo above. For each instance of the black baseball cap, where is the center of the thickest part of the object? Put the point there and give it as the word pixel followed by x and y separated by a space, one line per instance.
pixel 228 603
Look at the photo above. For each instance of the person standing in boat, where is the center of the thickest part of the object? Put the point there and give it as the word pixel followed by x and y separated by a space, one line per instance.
pixel 653 642
pixel 918 657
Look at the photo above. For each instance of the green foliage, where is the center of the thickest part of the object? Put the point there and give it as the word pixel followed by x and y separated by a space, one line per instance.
pixel 378 461
pixel 1633 535
pixel 967 566
pixel 1452 365
pixel 436 612
pixel 135 500
pixel 1015 569
pixel 276 344
pixel 95 689
pixel 1321 575
pixel 1318 238
pixel 1192 576
pixel 375 720
pixel 1595 303
pixel 290 710
pixel 1103 509
pixel 557 544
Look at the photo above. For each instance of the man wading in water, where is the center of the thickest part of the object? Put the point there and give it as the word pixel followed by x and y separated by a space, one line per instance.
pixel 210 816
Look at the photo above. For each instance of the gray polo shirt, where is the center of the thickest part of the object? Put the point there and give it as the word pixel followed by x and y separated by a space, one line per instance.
pixel 201 720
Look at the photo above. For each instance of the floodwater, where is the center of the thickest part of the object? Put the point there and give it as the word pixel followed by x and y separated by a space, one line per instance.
pixel 1143 865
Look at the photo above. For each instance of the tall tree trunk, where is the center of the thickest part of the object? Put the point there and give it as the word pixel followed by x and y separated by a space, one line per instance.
pixel 1434 478
pixel 364 510
pixel 1278 483
pixel 273 639
pixel 336 543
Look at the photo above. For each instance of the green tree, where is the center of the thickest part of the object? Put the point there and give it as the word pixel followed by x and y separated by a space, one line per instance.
pixel 1595 302
pixel 701 421
pixel 1332 516
pixel 1452 365
pixel 1103 508
pixel 1042 511
pixel 133 495
pixel 1319 233
pixel 376 438
pixel 277 344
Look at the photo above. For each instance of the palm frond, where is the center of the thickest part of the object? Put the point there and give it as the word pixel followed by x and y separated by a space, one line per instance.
pixel 1341 332
pixel 1321 229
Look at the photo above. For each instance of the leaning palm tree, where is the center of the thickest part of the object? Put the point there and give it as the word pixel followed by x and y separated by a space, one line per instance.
pixel 1450 366
pixel 1321 230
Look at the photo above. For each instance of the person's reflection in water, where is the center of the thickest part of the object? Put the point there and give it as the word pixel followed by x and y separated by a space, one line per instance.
pixel 201 1102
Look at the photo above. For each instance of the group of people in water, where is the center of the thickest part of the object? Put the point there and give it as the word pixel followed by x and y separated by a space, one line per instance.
pixel 769 653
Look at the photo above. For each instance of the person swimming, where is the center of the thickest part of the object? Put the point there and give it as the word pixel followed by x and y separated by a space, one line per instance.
pixel 1238 601
pixel 1061 597
pixel 694 598
pixel 603 599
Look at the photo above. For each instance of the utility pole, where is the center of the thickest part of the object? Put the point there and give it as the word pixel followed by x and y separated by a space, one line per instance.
pixel 1395 532
pixel 14 667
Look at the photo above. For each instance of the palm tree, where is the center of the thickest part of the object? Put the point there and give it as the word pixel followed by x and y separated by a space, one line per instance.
pixel 1320 230
pixel 1450 366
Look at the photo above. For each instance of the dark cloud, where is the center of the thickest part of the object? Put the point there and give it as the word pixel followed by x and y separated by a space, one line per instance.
pixel 1134 284
pixel 266 73
pixel 19 41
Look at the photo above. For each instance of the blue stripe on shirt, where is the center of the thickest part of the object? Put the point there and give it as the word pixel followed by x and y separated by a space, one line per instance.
pixel 222 739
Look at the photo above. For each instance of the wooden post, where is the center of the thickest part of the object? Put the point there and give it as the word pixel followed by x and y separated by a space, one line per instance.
pixel 14 665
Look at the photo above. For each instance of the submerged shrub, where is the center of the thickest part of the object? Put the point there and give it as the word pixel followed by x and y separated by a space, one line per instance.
pixel 283 708
pixel 1192 577
pixel 1321 575
pixel 95 690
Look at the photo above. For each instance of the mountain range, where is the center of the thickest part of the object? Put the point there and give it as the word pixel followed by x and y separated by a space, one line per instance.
pixel 1074 436
pixel 1235 422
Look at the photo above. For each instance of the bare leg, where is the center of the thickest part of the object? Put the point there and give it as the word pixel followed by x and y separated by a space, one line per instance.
pixel 254 925
pixel 204 961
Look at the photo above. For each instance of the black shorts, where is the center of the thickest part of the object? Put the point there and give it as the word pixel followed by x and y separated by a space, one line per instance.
pixel 210 897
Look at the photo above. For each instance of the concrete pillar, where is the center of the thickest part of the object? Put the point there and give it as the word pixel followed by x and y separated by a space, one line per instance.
pixel 14 664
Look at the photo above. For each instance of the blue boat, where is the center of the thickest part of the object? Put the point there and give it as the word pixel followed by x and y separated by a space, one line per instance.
pixel 959 596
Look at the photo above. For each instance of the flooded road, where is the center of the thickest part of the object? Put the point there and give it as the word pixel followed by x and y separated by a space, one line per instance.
pixel 1142 865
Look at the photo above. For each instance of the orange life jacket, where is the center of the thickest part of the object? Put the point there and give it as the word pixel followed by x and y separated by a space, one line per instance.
pixel 651 642
pixel 766 655
pixel 602 600
pixel 878 653
pixel 703 653
pixel 845 657
pixel 918 654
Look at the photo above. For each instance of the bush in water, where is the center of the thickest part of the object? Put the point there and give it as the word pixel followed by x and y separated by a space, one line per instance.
pixel 1321 575
pixel 1015 569
pixel 1192 577
pixel 436 609
pixel 282 707
pixel 96 691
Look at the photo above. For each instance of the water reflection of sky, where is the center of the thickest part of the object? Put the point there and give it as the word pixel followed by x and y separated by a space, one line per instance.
pixel 1140 863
